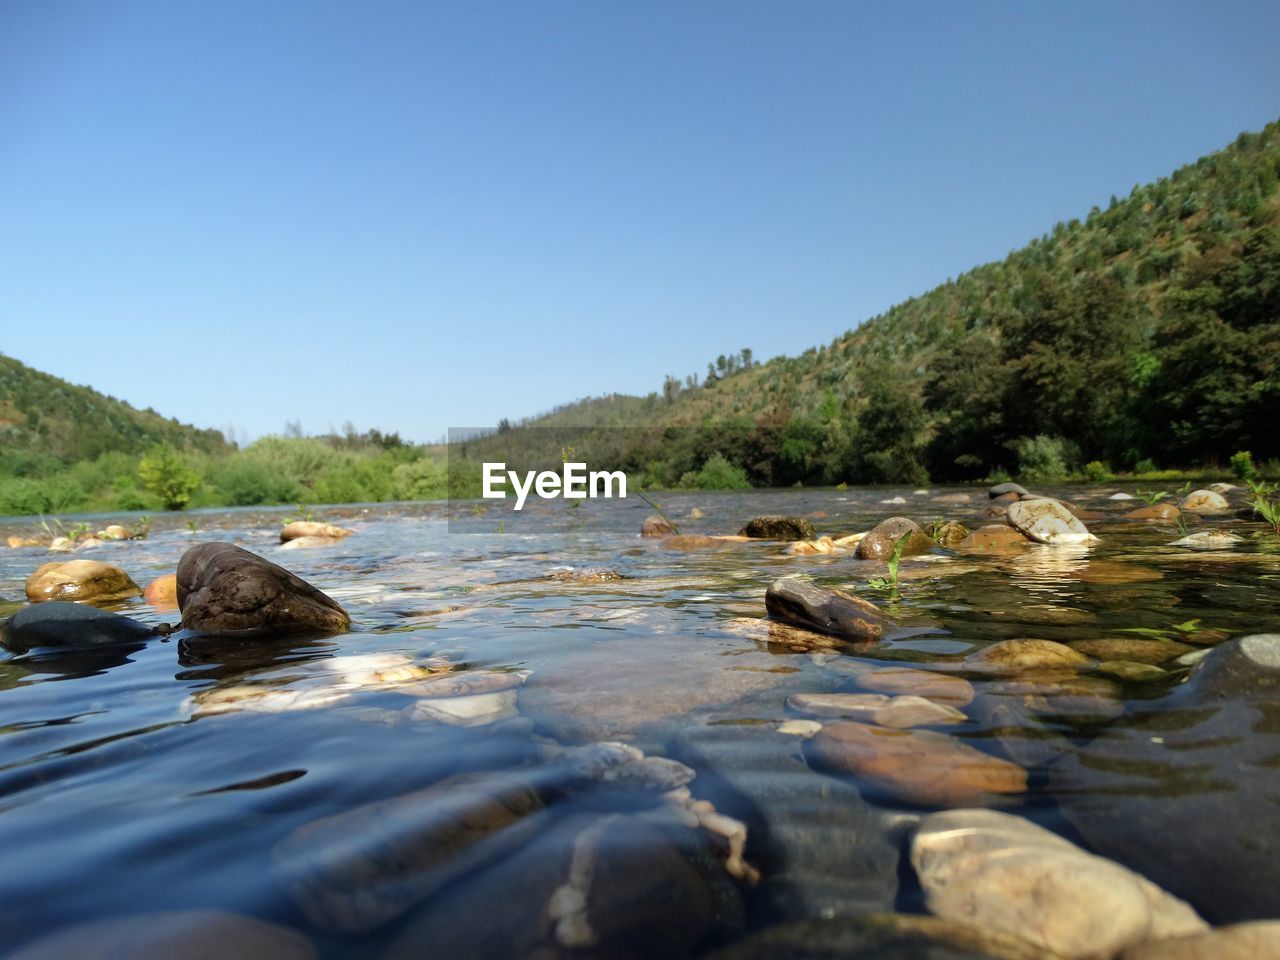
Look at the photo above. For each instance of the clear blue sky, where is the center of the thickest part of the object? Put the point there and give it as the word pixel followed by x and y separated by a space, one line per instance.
pixel 416 215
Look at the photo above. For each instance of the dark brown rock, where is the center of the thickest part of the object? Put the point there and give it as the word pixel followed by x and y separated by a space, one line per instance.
pixel 655 527
pixel 827 611
pixel 226 591
pixel 883 538
pixel 779 528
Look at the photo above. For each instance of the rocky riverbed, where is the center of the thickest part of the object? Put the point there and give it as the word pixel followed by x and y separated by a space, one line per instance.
pixel 1050 727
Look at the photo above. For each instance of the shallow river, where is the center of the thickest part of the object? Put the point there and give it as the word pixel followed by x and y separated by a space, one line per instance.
pixel 142 782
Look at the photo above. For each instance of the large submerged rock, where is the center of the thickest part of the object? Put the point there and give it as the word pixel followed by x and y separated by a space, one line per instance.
pixel 1204 758
pixel 918 766
pixel 171 935
pixel 226 591
pixel 832 612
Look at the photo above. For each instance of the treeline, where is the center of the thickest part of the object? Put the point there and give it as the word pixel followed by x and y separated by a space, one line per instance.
pixel 1146 335
pixel 46 421
pixel 272 470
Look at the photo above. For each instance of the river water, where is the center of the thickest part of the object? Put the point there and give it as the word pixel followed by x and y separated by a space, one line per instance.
pixel 239 776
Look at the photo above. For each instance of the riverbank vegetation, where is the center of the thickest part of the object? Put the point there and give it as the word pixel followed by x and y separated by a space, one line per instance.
pixel 1141 341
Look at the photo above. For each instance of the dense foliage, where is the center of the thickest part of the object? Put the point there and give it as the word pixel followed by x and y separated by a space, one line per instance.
pixel 1147 333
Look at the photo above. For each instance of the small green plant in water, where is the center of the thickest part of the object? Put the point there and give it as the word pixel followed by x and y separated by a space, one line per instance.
pixel 890 583
pixel 144 528
pixel 305 513
pixel 1152 497
pixel 192 528
pixel 670 523
pixel 1265 503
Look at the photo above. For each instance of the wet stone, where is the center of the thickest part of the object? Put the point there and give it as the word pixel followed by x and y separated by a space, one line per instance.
pixel 1241 941
pixel 879 936
pixel 1155 511
pixel 821 849
pixel 1048 521
pixel 1011 657
pixel 1064 694
pixel 311 528
pixel 693 541
pixel 1140 650
pixel 1206 503
pixel 584 886
pixel 174 935
pixel 307 543
pixel 1204 757
pixel 882 540
pixel 226 591
pixel 360 869
pixel 993 538
pixel 1003 489
pixel 1130 671
pixel 1209 540
pixel 880 709
pixel 162 592
pixel 779 528
pixel 919 766
pixel 939 687
pixel 827 611
pixel 1004 873
pixel 476 710
pixel 951 533
pixel 64 625
pixel 809 548
pixel 80 580
pixel 655 527
pixel 1116 572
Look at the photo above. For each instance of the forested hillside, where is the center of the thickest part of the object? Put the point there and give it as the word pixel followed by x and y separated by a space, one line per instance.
pixel 1144 333
pixel 45 418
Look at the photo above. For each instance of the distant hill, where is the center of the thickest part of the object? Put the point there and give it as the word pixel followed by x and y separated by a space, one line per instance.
pixel 1145 330
pixel 44 417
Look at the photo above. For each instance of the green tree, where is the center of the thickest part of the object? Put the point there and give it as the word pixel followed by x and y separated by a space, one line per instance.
pixel 166 474
pixel 891 427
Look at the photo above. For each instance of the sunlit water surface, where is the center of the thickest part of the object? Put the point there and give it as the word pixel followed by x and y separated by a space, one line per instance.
pixel 120 795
